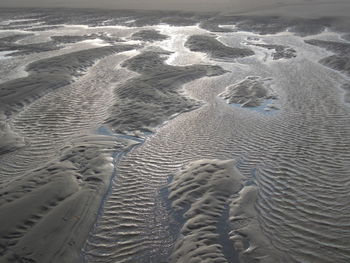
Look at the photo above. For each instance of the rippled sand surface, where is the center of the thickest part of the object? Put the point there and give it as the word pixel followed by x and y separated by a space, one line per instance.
pixel 121 141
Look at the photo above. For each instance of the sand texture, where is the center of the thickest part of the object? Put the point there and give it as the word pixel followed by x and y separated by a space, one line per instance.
pixel 141 136
pixel 346 88
pixel 147 101
pixel 341 60
pixel 247 234
pixel 148 35
pixel 10 141
pixel 280 51
pixel 49 74
pixel 215 49
pixel 250 92
pixel 56 204
pixel 202 191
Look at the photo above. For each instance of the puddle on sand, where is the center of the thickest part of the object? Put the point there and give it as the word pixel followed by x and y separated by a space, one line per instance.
pixel 264 108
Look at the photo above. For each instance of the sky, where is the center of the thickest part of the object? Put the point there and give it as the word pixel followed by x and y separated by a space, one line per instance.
pixel 323 7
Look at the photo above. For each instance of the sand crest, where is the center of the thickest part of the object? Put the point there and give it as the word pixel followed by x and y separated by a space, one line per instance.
pixel 202 190
pixel 250 92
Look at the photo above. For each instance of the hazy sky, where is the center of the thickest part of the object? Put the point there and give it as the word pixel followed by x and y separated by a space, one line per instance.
pixel 297 6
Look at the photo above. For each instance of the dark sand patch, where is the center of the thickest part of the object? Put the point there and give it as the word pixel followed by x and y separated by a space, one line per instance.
pixel 340 48
pixel 10 43
pixel 44 76
pixel 57 42
pixel 43 28
pixel 339 63
pixel 12 39
pixel 264 25
pixel 150 35
pixel 214 48
pixel 68 39
pixel 100 17
pixel 49 74
pixel 148 100
pixel 341 60
pixel 250 92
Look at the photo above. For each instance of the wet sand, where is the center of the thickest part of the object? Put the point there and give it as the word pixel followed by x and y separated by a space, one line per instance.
pixel 118 144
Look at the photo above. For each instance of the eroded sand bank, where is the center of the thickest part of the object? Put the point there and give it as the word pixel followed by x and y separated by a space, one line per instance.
pixel 202 191
pixel 47 215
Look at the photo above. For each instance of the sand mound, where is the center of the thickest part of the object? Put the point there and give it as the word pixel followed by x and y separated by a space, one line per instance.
pixel 47 215
pixel 202 189
pixel 250 92
pixel 214 48
pixel 150 35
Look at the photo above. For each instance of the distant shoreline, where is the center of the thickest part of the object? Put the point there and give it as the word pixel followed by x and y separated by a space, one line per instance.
pixel 306 8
